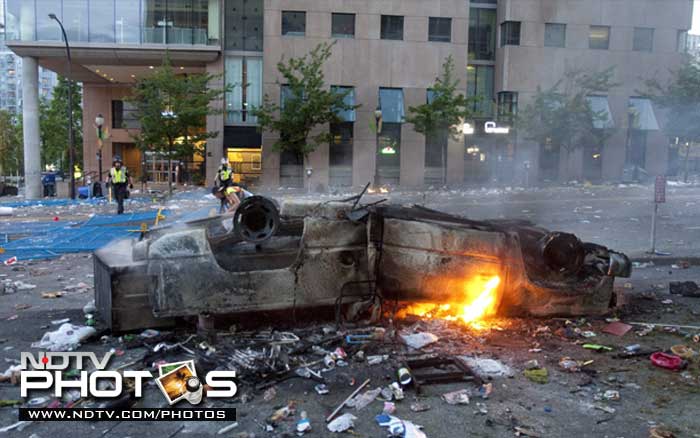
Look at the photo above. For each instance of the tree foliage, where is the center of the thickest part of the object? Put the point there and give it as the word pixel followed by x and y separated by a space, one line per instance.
pixel 307 104
pixel 447 110
pixel 11 150
pixel 172 110
pixel 561 116
pixel 53 125
pixel 681 96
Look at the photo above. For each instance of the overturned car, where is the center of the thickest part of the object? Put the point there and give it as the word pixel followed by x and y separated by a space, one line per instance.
pixel 311 254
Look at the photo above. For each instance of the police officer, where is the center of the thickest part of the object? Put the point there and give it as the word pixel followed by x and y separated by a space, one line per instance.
pixel 119 178
pixel 224 180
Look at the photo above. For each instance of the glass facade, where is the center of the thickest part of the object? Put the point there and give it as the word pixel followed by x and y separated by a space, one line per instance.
pixel 480 82
pixel 482 34
pixel 244 76
pixel 115 21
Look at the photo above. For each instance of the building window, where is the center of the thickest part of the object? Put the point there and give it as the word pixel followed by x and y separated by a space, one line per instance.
pixel 243 25
pixel 392 27
pixel 391 104
pixel 175 21
pixel 349 100
pixel 510 33
pixel 480 84
pixel 643 39
pixel 507 105
pixel 293 23
pixel 440 29
pixel 127 19
pixel 340 154
pixel 599 37
pixel 482 34
pixel 75 18
pixel 555 35
pixel 682 45
pixel 124 115
pixel 241 100
pixel 101 21
pixel 343 25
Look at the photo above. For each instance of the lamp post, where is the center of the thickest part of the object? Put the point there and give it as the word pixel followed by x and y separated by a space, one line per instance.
pixel 99 122
pixel 71 149
pixel 378 124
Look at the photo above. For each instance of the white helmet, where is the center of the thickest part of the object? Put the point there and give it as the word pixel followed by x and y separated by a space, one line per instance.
pixel 224 160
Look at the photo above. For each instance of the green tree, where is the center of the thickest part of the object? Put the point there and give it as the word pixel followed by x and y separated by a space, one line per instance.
pixel 562 117
pixel 172 110
pixel 11 149
pixel 308 103
pixel 53 125
pixel 680 95
pixel 445 113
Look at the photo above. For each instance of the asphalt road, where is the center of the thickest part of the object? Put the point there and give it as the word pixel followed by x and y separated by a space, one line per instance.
pixel 614 216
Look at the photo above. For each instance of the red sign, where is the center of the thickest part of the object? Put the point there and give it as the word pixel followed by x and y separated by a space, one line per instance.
pixel 660 190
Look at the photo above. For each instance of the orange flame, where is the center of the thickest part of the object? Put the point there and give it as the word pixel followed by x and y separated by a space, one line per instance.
pixel 480 301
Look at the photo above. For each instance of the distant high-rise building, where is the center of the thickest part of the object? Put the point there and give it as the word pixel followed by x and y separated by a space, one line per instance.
pixel 694 45
pixel 11 80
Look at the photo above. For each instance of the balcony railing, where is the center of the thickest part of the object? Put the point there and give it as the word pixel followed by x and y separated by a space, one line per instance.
pixel 182 22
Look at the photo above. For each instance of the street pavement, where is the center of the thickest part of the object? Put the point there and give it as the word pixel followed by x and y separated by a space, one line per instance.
pixel 615 216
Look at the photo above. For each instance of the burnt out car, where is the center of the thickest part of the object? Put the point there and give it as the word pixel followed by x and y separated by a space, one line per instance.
pixel 311 254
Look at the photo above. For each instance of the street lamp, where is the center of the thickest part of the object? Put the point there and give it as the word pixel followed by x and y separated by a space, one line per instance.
pixel 99 122
pixel 378 124
pixel 71 149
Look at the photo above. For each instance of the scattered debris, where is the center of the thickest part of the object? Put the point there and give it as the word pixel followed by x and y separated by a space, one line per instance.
pixel 617 328
pixel 58 294
pixel 363 400
pixel 66 338
pixel 398 427
pixel 342 423
pixel 228 428
pixel 419 340
pixel 568 364
pixel 683 351
pixel 344 402
pixel 420 407
pixel 684 288
pixel 487 368
pixel 20 285
pixel 304 424
pixel 321 389
pixel 537 375
pixel 460 397
pixel 667 361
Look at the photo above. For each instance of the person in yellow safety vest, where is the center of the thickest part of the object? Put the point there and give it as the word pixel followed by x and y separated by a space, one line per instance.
pixel 222 182
pixel 119 178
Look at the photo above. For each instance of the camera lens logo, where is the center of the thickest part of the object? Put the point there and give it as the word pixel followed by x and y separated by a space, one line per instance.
pixel 179 381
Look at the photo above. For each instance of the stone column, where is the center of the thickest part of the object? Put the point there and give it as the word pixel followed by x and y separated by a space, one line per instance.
pixel 30 115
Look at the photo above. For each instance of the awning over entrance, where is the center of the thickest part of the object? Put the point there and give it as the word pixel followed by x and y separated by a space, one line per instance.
pixel 644 117
pixel 600 106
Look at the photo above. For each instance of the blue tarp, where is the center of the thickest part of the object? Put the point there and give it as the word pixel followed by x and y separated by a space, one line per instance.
pixel 51 239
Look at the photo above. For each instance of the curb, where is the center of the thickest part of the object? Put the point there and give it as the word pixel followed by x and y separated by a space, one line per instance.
pixel 666 260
